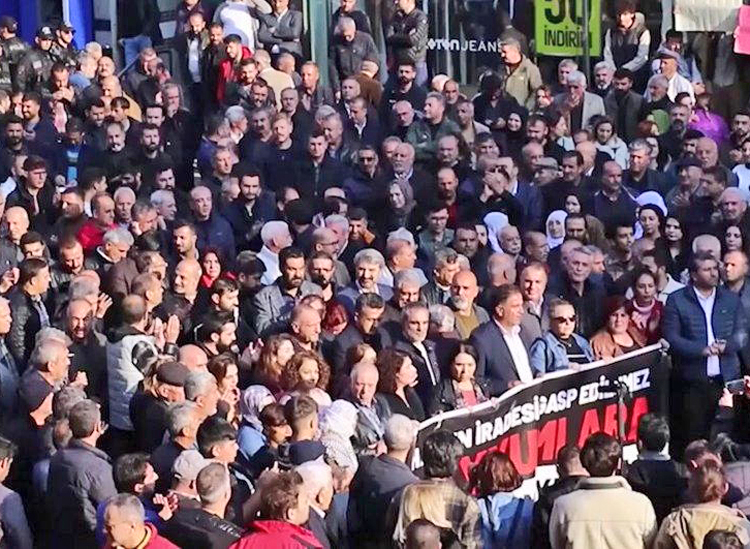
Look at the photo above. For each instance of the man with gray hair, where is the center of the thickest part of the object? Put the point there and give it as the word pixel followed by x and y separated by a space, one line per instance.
pixel 317 477
pixel 275 236
pixel 205 526
pixel 116 244
pixel 349 49
pixel 604 72
pixel 656 98
pixel 639 176
pixel 581 106
pixel 183 420
pixel 202 389
pixel 378 480
pixel 126 527
pixel 367 266
pixel 437 291
pixel 49 361
pixel 372 408
pixel 166 206
pixel 412 340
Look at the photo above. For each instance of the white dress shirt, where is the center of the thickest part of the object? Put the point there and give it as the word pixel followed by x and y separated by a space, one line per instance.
pixel 707 304
pixel 426 356
pixel 518 352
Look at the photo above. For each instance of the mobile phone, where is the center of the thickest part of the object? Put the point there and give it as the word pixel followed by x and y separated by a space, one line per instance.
pixel 736 386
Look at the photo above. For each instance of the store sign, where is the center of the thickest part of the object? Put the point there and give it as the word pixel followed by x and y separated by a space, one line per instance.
pixel 559 27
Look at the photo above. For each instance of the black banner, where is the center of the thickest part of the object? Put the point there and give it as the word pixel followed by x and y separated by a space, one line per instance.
pixel 531 423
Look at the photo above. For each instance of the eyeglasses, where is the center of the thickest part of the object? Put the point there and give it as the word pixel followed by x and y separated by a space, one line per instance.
pixel 566 319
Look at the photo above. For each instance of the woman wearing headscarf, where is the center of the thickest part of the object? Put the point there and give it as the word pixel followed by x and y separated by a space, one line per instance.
pixel 338 423
pixel 515 131
pixel 250 437
pixel 495 222
pixel 555 228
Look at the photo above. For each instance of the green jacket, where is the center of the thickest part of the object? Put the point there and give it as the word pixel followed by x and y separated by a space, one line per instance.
pixel 420 137
pixel 522 82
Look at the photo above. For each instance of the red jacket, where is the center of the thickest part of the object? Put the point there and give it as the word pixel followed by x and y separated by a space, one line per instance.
pixel 152 541
pixel 90 235
pixel 228 74
pixel 265 534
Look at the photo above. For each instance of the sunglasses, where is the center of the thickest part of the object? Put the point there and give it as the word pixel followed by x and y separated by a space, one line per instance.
pixel 568 319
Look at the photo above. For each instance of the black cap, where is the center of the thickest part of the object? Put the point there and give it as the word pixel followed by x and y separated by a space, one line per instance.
pixel 8 22
pixel 172 373
pixel 45 32
pixel 33 390
pixel 689 161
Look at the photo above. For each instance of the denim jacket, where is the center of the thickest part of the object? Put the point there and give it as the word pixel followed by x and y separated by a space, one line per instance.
pixel 548 353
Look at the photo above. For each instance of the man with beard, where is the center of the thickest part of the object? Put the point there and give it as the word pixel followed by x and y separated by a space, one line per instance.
pixel 463 293
pixel 364 187
pixel 732 150
pixel 656 98
pixel 184 242
pixel 404 89
pixel 87 348
pixel 251 209
pixel 321 271
pixel 256 146
pixel 466 242
pixel 538 131
pixel 92 232
pixel 603 75
pixel 367 266
pixel 326 240
pixel 114 159
pixel 69 265
pixel 624 105
pixel 13 145
pixel 274 303
pixel 72 217
pixel 671 140
pixel 150 157
pixel 217 334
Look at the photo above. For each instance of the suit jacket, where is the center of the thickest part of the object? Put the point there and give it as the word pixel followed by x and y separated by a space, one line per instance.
pixel 531 200
pixel 284 33
pixel 432 295
pixel 495 362
pixel 592 106
pixel 350 337
pixel 425 389
pixel 632 104
pixel 684 327
pixel 371 134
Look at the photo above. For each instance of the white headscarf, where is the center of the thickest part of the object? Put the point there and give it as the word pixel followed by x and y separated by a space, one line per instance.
pixel 253 400
pixel 495 222
pixel 554 241
pixel 650 198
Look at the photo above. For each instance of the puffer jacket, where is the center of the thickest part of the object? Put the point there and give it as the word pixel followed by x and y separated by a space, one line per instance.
pixel 80 478
pixel 407 36
pixel 686 527
pixel 127 351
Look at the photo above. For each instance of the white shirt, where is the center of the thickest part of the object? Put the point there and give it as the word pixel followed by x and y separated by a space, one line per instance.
pixel 518 352
pixel 425 355
pixel 707 304
pixel 194 59
pixel 743 176
pixel 271 261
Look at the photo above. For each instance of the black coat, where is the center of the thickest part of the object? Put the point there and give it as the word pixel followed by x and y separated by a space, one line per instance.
pixel 330 173
pixel 26 323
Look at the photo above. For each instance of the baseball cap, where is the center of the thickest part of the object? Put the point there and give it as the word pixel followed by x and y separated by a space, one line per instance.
pixel 45 32
pixel 188 464
pixel 65 26
pixel 8 22
pixel 33 390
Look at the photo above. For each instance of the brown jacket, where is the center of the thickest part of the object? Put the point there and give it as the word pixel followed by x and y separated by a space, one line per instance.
pixel 604 345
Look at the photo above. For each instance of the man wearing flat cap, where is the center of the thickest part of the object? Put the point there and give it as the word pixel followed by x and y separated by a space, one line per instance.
pixel 36 65
pixel 148 407
pixel 669 65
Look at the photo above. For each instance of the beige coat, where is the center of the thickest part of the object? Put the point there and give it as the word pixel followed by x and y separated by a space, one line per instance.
pixel 522 82
pixel 686 527
pixel 604 513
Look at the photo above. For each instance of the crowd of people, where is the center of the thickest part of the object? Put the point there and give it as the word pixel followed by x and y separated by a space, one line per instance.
pixel 231 287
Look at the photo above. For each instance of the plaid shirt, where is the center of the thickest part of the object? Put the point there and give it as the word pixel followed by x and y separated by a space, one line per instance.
pixel 461 511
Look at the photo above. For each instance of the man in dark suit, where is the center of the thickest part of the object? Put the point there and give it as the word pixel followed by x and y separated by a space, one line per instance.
pixel 503 344
pixel 415 323
pixel 317 171
pixel 705 326
pixel 365 328
pixel 624 105
pixel 281 30
pixel 361 127
pixel 528 195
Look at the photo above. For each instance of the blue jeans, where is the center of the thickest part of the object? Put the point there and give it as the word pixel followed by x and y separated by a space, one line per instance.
pixel 131 47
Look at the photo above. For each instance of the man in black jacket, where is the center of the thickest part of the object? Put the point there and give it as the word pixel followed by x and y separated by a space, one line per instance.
pixel 317 171
pixel 80 478
pixel 192 528
pixel 368 310
pixel 29 311
pixel 570 472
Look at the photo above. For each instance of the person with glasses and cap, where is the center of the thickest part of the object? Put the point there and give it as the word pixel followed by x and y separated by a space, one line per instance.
pixel 35 66
pixel 62 50
pixel 560 348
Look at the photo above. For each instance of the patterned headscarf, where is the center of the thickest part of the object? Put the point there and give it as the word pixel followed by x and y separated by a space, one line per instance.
pixel 253 400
